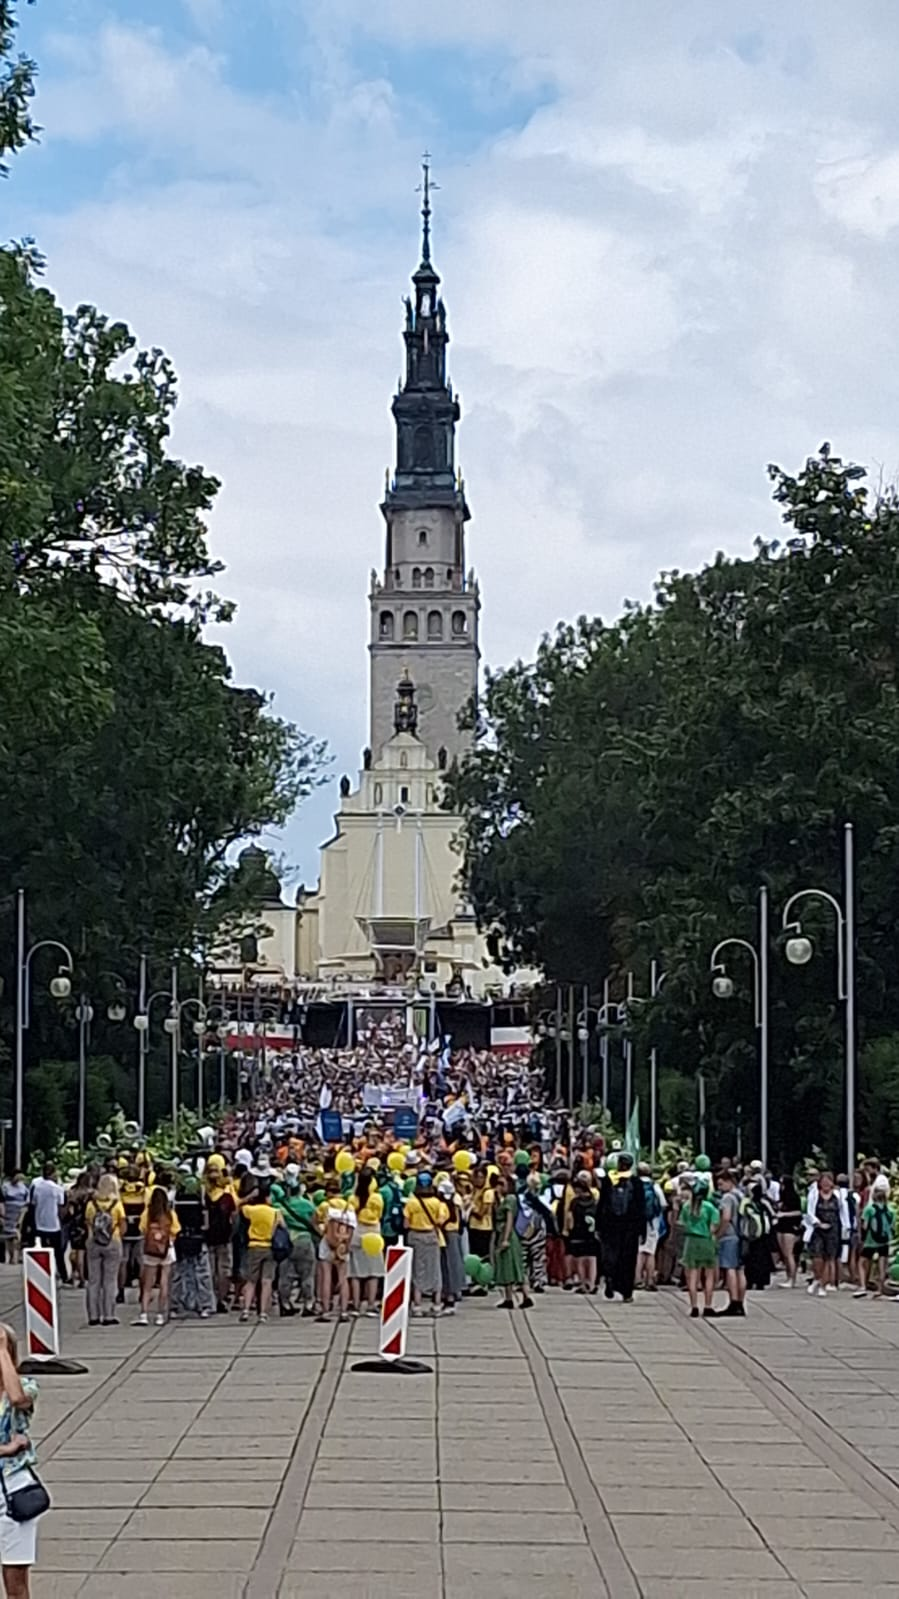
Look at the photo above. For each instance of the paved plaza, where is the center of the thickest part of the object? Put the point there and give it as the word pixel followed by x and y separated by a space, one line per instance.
pixel 580 1449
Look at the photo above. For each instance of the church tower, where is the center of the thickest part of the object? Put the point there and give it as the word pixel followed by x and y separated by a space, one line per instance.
pixel 424 608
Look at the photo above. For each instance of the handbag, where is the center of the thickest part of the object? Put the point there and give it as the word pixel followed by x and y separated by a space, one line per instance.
pixel 25 1503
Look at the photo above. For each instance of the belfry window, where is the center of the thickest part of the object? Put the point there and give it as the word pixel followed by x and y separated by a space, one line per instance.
pixel 423 537
pixel 435 624
pixel 429 577
pixel 416 577
pixel 379 793
pixel 410 625
pixel 460 624
pixel 385 629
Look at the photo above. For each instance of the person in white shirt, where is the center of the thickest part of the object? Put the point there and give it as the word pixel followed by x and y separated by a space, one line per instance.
pixel 49 1198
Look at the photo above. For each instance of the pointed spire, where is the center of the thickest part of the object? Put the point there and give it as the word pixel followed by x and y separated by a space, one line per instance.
pixel 424 189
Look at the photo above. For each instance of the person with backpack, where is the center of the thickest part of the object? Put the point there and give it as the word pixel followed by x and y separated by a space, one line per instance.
pixel 622 1226
pixel 878 1224
pixel 582 1231
pixel 656 1228
pixel 392 1220
pixel 452 1260
pixel 105 1221
pixel 262 1220
pixel 335 1219
pixel 159 1227
pixel 299 1267
pixel 700 1220
pixel 756 1229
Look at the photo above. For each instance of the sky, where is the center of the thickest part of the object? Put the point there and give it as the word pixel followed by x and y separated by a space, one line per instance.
pixel 669 241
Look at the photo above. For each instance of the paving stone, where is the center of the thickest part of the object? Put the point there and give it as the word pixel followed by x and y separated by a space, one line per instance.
pixel 160 1585
pixel 375 1558
pixel 828 1532
pixel 181 1554
pixel 758 1502
pixel 657 1501
pixel 242 1492
pixel 706 1532
pixel 381 1585
pixel 859 1566
pixel 734 1564
pixel 170 1525
pixel 461 1469
pixel 56 1584
pixel 464 1526
pixel 718 1588
pixel 68 1554
pixel 502 1496
pixel 562 1563
pixel 89 1492
pixel 325 1492
pixel 359 1525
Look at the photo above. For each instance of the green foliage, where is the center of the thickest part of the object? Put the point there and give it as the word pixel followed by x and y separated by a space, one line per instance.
pixel 17 74
pixel 631 788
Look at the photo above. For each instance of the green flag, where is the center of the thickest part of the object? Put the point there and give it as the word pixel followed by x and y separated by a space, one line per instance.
pixel 632 1134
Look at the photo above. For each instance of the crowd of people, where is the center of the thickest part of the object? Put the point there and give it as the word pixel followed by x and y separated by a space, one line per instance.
pixel 490 1188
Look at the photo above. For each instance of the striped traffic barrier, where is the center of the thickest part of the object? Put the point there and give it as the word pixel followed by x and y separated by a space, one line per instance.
pixel 394 1317
pixel 395 1304
pixel 42 1316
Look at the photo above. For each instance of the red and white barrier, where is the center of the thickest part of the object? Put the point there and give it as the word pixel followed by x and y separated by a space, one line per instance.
pixel 41 1310
pixel 395 1304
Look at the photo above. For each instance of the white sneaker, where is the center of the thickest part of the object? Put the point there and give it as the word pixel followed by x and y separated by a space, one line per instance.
pixel 830 1288
pixel 143 1320
pixel 812 1288
pixel 822 1293
pixel 860 1293
pixel 784 1282
pixel 160 1320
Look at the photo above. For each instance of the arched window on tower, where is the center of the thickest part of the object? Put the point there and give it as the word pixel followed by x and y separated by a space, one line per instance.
pixel 423 537
pixel 410 625
pixel 404 759
pixel 435 624
pixel 385 628
pixel 449 576
pixel 429 577
pixel 416 577
pixel 379 793
pixel 460 624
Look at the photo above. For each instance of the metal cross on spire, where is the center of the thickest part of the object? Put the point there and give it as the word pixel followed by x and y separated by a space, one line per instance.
pixel 424 189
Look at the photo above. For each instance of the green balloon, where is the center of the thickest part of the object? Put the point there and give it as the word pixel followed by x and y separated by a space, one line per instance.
pixel 319 1197
pixel 485 1273
pixel 472 1266
pixel 409 1186
pixel 702 1163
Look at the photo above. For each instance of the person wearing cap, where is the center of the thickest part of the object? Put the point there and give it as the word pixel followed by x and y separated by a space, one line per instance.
pixel 878 1225
pixel 699 1220
pixel 299 1267
pixel 729 1242
pixel 425 1216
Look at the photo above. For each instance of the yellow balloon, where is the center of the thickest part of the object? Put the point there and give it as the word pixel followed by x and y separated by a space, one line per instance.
pixel 462 1160
pixel 344 1162
pixel 372 1244
pixel 396 1161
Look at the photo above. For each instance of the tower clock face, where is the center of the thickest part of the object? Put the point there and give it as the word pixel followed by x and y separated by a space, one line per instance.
pixel 425 696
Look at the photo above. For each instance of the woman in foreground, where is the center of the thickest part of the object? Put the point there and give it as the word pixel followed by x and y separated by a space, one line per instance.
pixel 18 1539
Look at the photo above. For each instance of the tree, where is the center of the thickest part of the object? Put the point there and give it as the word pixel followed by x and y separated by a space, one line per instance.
pixel 17 74
pixel 631 788
pixel 131 765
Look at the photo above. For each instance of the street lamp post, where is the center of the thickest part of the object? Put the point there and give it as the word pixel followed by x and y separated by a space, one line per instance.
pixel 723 988
pixel 604 1046
pixel 611 1013
pixel 60 988
pixel 799 950
pixel 172 1027
pixel 84 1012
